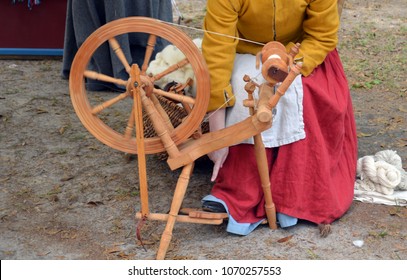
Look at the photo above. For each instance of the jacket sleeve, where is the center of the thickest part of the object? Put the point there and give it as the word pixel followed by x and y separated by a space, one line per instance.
pixel 320 27
pixel 219 51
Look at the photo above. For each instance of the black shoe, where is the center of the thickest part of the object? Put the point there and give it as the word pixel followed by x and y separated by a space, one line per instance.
pixel 212 206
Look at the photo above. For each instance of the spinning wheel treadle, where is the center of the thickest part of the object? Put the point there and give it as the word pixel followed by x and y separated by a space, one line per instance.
pixel 102 118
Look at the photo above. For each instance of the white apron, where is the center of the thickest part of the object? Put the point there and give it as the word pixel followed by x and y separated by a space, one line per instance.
pixel 288 124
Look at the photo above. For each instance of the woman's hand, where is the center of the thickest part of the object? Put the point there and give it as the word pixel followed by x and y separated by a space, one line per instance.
pixel 218 157
pixel 217 122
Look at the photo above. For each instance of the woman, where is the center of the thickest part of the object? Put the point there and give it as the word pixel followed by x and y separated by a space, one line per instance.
pixel 312 170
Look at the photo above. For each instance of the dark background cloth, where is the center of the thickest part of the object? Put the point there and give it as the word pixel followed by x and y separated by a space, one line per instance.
pixel 85 16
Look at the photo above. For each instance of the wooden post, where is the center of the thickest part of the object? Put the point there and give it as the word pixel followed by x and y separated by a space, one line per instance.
pixel 262 166
pixel 141 157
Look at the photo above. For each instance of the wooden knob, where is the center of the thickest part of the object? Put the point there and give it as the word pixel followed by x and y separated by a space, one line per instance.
pixel 264 114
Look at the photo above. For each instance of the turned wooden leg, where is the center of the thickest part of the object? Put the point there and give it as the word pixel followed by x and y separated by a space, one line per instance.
pixel 178 197
pixel 262 166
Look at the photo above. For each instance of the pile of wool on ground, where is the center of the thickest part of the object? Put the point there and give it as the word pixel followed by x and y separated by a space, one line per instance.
pixel 381 179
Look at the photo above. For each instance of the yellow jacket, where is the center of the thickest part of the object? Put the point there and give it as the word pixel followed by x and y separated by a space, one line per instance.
pixel 313 23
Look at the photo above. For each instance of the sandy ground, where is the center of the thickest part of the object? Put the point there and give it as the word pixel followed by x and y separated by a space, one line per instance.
pixel 64 195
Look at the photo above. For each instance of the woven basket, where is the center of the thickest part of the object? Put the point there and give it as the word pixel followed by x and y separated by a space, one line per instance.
pixel 176 114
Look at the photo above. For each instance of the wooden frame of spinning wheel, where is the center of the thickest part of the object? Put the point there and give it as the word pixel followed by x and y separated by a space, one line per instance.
pixel 182 149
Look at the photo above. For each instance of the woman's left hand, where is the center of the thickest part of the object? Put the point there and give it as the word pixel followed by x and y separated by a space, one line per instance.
pixel 218 157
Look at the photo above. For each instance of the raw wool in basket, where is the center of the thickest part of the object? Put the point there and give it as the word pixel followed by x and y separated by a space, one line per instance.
pixel 171 55
pixel 382 173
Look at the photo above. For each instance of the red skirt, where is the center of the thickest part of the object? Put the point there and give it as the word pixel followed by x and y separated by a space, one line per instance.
pixel 311 179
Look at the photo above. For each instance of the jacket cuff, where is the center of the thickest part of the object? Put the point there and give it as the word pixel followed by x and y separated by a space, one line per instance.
pixel 308 64
pixel 221 98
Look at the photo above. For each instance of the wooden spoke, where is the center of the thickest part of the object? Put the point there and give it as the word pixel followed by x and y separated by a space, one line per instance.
pixel 130 125
pixel 102 77
pixel 149 51
pixel 171 69
pixel 175 96
pixel 97 109
pixel 114 44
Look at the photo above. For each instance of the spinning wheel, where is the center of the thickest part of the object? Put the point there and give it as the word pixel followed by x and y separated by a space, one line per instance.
pixel 100 114
pixel 117 119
